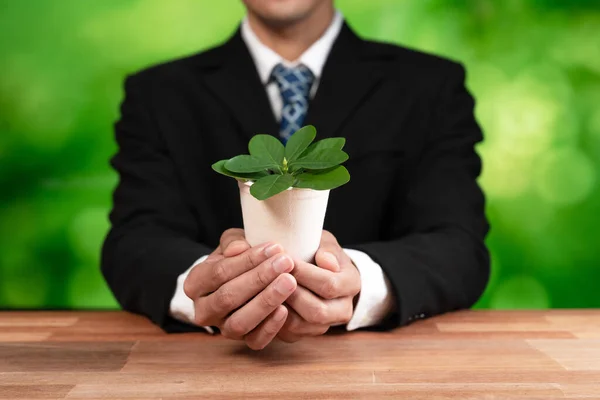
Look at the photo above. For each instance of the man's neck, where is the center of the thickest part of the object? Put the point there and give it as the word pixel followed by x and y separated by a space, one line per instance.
pixel 291 40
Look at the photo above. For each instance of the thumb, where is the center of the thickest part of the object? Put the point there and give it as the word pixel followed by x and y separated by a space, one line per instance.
pixel 327 260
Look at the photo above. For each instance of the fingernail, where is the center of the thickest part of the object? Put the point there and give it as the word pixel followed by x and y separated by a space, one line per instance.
pixel 332 259
pixel 236 245
pixel 273 249
pixel 279 314
pixel 285 286
pixel 282 264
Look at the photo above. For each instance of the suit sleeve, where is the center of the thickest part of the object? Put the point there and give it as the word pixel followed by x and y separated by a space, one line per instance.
pixel 440 263
pixel 154 235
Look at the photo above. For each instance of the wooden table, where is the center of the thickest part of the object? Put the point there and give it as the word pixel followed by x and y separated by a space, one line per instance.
pixel 464 355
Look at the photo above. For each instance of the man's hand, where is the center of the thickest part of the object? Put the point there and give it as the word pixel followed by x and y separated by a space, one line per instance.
pixel 325 293
pixel 241 289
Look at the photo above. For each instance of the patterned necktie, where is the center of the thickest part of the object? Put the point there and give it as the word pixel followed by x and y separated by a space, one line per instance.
pixel 294 85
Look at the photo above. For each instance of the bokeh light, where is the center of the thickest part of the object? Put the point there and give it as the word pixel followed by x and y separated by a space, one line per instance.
pixel 520 292
pixel 565 176
pixel 86 230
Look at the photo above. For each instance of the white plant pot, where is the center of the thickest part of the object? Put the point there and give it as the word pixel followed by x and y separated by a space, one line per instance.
pixel 293 218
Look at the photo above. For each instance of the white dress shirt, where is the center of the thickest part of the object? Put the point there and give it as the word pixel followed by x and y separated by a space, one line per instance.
pixel 375 300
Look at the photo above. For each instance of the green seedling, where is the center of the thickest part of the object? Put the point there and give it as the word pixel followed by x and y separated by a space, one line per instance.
pixel 301 163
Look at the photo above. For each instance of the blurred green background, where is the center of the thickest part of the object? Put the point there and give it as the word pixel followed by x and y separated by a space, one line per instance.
pixel 533 65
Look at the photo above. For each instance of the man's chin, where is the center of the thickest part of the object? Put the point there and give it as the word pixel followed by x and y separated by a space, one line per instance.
pixel 281 20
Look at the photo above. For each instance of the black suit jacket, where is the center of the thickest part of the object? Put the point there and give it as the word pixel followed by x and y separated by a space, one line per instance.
pixel 412 203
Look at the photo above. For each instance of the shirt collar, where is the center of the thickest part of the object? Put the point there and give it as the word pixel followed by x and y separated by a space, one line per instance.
pixel 314 57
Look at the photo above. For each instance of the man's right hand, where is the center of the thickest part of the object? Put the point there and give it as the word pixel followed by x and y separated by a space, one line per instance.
pixel 241 289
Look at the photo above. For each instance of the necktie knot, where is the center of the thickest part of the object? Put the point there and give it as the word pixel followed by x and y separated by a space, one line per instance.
pixel 294 82
pixel 294 85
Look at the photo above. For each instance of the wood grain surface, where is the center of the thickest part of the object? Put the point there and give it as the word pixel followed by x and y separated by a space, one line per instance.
pixel 464 355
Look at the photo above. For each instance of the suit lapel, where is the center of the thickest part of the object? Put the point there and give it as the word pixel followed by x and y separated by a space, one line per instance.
pixel 347 80
pixel 349 76
pixel 232 77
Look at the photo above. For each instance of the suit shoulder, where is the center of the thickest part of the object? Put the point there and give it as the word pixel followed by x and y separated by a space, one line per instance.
pixel 415 59
pixel 177 68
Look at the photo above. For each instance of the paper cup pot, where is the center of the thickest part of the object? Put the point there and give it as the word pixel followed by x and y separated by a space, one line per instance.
pixel 293 218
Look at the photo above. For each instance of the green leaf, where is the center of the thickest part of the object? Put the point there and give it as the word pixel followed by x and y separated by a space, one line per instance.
pixel 219 167
pixel 246 163
pixel 321 159
pixel 267 147
pixel 270 185
pixel 329 143
pixel 299 141
pixel 330 179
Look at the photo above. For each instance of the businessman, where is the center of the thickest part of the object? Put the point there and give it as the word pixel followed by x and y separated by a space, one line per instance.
pixel 403 240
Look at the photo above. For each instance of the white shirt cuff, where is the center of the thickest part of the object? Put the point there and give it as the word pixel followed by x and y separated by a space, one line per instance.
pixel 376 299
pixel 182 307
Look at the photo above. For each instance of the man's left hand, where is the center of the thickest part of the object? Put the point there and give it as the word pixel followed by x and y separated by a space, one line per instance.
pixel 325 293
